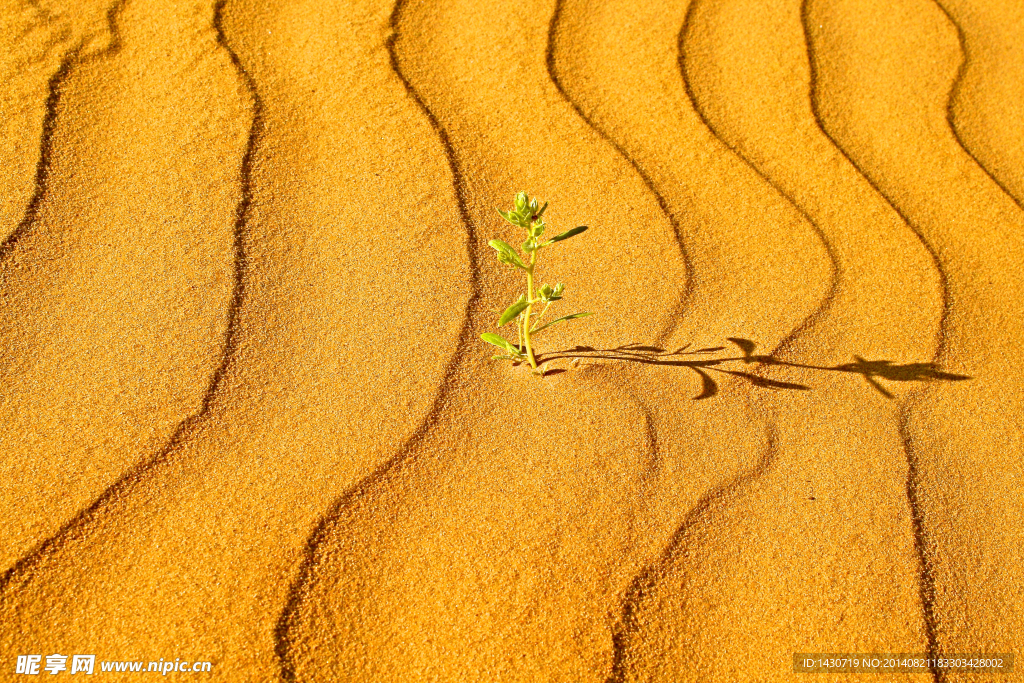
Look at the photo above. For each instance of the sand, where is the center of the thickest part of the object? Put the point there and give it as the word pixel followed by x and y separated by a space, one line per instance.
pixel 246 418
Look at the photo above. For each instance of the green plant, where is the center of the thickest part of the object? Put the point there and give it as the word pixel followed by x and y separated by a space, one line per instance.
pixel 527 215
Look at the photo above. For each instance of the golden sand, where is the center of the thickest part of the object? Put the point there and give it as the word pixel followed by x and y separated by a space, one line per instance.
pixel 245 416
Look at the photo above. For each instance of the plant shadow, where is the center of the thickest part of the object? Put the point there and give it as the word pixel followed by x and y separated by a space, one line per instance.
pixel 697 361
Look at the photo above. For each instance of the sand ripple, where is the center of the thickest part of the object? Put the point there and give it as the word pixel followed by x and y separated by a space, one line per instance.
pixel 245 416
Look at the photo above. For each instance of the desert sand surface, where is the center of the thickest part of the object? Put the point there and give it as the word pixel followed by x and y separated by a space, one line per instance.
pixel 246 417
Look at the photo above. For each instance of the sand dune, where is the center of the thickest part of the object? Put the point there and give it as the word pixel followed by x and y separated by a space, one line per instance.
pixel 247 419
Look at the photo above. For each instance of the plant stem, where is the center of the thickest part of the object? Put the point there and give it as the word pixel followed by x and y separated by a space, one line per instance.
pixel 526 320
pixel 541 316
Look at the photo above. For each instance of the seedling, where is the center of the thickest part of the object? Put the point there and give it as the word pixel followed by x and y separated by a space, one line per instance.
pixel 527 215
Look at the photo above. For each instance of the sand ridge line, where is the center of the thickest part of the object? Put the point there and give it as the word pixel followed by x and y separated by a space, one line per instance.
pixel 829 296
pixel 833 320
pixel 940 334
pixel 629 624
pixel 955 95
pixel 922 544
pixel 913 483
pixel 123 486
pixel 299 587
pixel 61 257
pixel 974 227
pixel 38 41
pixel 242 211
pixel 687 290
pixel 72 59
pixel 43 163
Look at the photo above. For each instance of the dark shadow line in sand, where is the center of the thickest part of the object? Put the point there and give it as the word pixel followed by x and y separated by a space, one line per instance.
pixel 826 303
pixel 715 500
pixel 823 127
pixel 925 547
pixel 954 95
pixel 45 150
pixel 22 568
pixel 626 626
pixel 552 67
pixel 289 616
pixel 241 263
pixel 871 370
pixel 922 543
pixel 54 86
pixel 21 571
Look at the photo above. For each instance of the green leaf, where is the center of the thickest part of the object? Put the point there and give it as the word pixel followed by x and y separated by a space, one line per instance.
pixel 567 234
pixel 571 316
pixel 514 310
pixel 500 342
pixel 508 252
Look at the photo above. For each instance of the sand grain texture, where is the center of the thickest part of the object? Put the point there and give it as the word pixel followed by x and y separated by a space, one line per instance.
pixel 116 286
pixel 245 416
